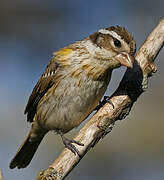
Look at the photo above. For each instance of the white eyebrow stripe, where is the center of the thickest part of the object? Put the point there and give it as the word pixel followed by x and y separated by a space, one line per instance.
pixel 112 33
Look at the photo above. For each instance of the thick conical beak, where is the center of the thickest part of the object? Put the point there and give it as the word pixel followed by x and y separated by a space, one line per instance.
pixel 125 59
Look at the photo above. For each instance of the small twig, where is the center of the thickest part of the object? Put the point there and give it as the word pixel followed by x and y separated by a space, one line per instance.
pixel 133 84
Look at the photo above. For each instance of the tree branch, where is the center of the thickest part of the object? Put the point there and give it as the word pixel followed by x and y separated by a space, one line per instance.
pixel 133 84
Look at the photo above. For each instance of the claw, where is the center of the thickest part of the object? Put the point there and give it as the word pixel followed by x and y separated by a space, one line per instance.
pixel 99 106
pixel 104 101
pixel 72 148
pixel 107 99
pixel 68 144
pixel 77 142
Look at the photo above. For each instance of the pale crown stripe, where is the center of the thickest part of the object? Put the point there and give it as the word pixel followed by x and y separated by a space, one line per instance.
pixel 112 33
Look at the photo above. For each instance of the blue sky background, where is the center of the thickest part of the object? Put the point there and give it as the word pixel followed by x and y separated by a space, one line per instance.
pixel 29 33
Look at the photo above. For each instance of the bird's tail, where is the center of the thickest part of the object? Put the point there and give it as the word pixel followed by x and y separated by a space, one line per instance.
pixel 26 151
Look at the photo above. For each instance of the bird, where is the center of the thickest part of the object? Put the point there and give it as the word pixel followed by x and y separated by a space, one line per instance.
pixel 71 87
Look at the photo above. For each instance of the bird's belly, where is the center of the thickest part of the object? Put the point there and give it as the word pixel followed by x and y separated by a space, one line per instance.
pixel 69 104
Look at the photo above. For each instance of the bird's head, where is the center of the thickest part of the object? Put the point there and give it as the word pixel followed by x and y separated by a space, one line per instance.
pixel 113 44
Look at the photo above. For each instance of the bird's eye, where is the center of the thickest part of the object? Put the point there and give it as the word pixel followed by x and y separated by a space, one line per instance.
pixel 117 43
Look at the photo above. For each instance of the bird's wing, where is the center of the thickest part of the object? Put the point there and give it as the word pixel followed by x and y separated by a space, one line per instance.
pixel 45 82
pixel 49 78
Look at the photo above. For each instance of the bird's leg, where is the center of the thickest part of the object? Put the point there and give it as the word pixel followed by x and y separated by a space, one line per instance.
pixel 104 101
pixel 101 103
pixel 68 144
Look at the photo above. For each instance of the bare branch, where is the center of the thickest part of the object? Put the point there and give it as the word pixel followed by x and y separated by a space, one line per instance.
pixel 133 84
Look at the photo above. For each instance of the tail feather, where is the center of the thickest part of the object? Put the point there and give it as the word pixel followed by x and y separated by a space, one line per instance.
pixel 26 152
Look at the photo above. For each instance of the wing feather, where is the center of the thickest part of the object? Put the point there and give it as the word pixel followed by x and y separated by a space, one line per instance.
pixel 45 82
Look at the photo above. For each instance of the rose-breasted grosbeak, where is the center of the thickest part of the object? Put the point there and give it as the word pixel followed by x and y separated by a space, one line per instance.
pixel 71 86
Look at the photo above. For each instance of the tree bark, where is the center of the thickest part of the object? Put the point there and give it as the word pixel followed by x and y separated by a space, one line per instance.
pixel 133 84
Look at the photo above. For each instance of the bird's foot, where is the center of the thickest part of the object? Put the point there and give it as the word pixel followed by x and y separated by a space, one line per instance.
pixel 100 105
pixel 107 100
pixel 104 101
pixel 68 144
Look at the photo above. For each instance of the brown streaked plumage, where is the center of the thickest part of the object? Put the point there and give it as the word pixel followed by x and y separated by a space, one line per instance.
pixel 45 82
pixel 71 86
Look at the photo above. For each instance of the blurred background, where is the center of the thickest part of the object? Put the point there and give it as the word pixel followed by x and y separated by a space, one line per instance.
pixel 29 33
